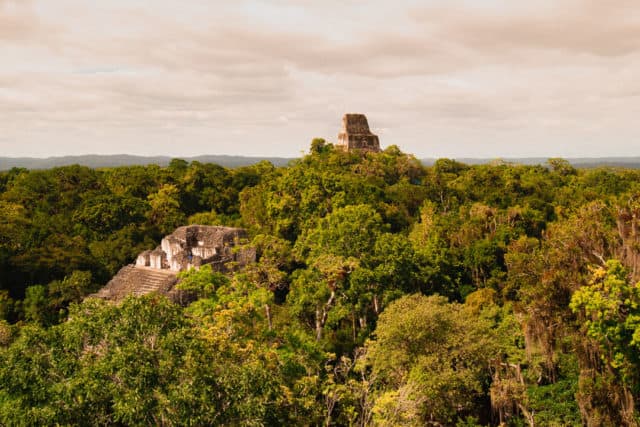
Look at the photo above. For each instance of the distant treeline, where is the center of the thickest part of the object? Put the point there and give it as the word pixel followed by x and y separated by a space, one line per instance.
pixel 108 161
pixel 578 162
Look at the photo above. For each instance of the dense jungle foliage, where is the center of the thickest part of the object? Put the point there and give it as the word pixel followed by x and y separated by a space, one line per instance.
pixel 385 293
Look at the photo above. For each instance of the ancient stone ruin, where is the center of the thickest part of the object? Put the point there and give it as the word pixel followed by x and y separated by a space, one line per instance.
pixel 355 134
pixel 192 246
pixel 187 247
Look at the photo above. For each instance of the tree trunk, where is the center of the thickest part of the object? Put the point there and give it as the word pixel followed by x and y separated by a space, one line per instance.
pixel 353 326
pixel 267 311
pixel 318 325
pixel 322 319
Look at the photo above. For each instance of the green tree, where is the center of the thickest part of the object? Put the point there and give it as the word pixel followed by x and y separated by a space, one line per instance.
pixel 202 283
pixel 319 146
pixel 6 306
pixel 165 211
pixel 35 304
pixel 431 360
pixel 609 308
pixel 349 232
pixel 71 289
pixel 144 362
pixel 107 213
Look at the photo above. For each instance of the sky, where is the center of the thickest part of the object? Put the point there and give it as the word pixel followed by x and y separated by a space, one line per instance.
pixel 438 78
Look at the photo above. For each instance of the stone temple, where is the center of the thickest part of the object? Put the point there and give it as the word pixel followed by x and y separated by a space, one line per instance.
pixel 355 134
pixel 187 247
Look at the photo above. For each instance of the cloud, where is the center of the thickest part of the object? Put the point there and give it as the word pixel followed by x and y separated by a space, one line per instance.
pixel 16 20
pixel 593 27
pixel 20 22
pixel 241 73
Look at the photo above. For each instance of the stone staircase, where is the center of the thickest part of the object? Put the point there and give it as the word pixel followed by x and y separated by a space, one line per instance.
pixel 137 281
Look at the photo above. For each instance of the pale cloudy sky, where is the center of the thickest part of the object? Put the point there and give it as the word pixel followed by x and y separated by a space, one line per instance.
pixel 439 78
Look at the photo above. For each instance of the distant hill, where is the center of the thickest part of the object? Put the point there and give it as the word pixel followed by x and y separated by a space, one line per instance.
pixel 99 161
pixel 582 162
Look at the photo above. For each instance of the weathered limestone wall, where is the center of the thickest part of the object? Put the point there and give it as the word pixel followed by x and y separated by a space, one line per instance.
pixel 156 259
pixel 187 247
pixel 143 259
pixel 355 134
pixel 195 245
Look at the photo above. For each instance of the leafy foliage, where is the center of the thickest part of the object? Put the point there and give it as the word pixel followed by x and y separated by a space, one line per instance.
pixel 384 293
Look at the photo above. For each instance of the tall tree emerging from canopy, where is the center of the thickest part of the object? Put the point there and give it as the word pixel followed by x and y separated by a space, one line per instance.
pixel 431 359
pixel 165 211
pixel 609 308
